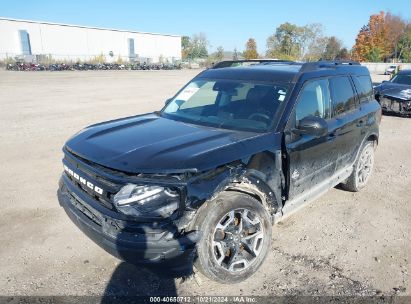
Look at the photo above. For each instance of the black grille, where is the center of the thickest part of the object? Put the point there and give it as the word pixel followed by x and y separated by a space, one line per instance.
pixel 91 175
pixel 104 200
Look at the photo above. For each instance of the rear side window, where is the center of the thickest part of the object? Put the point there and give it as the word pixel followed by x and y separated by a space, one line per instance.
pixel 342 95
pixel 363 85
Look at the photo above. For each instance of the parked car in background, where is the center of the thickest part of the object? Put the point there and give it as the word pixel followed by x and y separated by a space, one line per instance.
pixel 394 96
pixel 391 70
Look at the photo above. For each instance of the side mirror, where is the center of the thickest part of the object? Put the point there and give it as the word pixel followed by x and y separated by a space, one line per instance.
pixel 312 125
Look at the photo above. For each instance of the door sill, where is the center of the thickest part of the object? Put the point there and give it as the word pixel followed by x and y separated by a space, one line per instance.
pixel 309 196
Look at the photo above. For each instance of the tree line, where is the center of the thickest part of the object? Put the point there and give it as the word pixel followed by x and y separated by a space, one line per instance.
pixel 386 37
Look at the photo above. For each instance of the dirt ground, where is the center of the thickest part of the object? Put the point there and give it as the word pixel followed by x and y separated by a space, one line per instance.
pixel 342 244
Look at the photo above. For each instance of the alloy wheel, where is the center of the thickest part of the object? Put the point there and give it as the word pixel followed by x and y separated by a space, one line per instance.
pixel 365 165
pixel 238 239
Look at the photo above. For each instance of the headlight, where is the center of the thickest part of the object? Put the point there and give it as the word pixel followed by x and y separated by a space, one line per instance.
pixel 150 201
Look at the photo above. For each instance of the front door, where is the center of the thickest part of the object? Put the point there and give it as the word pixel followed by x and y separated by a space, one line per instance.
pixel 311 159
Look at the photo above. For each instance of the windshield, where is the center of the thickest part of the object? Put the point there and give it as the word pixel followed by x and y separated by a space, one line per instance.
pixel 402 79
pixel 228 104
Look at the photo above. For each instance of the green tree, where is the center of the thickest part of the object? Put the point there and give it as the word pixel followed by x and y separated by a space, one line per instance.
pixel 251 49
pixel 375 55
pixel 199 45
pixel 195 46
pixel 294 42
pixel 404 45
pixel 285 42
pixel 332 48
pixel 343 54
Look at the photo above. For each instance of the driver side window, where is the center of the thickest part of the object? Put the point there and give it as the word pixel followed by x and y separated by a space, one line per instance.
pixel 314 100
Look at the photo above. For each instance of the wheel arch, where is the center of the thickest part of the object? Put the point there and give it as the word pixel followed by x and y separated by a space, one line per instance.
pixel 373 137
pixel 255 186
pixel 246 181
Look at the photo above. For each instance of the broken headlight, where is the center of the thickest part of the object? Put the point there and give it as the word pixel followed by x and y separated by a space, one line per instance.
pixel 149 201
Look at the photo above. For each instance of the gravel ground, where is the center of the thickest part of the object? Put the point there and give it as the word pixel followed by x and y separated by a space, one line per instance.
pixel 342 244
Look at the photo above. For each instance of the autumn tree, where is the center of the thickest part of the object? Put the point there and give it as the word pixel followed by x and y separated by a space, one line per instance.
pixel 185 47
pixel 395 27
pixel 372 42
pixel 251 49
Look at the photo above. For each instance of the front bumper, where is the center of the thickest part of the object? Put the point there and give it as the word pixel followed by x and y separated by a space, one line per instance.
pixel 137 243
pixel 394 106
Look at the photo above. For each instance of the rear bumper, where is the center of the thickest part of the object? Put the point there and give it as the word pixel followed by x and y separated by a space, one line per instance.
pixel 130 242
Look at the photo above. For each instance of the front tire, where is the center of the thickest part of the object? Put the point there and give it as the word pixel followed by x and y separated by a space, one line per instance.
pixel 236 237
pixel 363 168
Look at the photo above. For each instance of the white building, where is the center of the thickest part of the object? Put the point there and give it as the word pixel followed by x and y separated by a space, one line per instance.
pixel 33 40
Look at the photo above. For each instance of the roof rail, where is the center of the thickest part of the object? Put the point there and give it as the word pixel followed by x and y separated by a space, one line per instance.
pixel 315 65
pixel 231 63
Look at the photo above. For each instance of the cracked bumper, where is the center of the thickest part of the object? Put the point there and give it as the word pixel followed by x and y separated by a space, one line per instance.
pixel 130 242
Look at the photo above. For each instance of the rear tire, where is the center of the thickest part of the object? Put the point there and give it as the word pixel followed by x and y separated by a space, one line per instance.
pixel 236 237
pixel 362 169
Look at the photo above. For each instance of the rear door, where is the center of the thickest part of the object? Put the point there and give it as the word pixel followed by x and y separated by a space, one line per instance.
pixel 346 122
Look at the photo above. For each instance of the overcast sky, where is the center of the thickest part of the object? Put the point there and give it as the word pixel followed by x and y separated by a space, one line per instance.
pixel 227 23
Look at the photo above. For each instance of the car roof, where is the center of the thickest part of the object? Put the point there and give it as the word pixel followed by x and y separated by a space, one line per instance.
pixel 282 71
pixel 258 72
pixel 406 72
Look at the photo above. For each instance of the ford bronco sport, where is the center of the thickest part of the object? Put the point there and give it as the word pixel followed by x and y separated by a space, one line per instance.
pixel 238 148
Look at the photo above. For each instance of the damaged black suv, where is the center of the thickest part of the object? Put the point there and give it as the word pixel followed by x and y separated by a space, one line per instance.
pixel 241 146
pixel 395 95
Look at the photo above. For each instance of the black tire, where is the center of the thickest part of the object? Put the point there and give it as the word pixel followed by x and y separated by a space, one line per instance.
pixel 210 217
pixel 355 182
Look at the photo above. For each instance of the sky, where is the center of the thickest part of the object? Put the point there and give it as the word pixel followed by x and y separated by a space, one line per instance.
pixel 226 23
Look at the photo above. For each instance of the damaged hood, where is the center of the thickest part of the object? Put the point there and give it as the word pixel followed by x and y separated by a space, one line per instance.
pixel 397 91
pixel 153 144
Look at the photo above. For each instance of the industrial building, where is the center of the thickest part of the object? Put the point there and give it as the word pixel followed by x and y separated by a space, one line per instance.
pixel 33 41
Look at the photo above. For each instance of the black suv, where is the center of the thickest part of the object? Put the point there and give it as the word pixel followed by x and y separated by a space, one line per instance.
pixel 235 150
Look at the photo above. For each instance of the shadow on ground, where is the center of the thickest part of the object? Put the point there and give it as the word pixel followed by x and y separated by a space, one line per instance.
pixel 129 281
